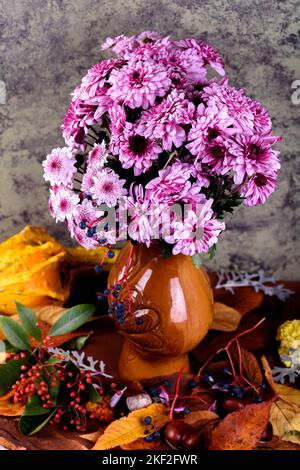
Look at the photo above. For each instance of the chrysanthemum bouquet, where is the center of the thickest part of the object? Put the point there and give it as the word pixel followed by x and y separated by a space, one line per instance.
pixel 155 137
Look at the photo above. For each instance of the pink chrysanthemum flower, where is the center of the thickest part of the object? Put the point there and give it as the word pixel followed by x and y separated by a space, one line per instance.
pixel 198 231
pixel 137 151
pixel 170 183
pixel 216 155
pixel 211 122
pixel 262 123
pixel 253 154
pixel 258 189
pixel 88 179
pixel 138 84
pixel 120 44
pixel 73 132
pixel 208 53
pixel 95 81
pixel 108 187
pixel 165 121
pixel 140 213
pixel 97 157
pixel 238 105
pixel 59 166
pixel 87 212
pixel 63 203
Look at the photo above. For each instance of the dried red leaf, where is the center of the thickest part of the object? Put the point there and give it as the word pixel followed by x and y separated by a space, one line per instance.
pixel 241 429
pixel 244 299
pixel 249 364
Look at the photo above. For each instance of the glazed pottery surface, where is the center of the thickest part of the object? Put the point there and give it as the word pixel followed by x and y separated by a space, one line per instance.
pixel 174 300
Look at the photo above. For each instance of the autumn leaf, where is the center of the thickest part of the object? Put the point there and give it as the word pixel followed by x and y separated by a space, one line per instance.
pixel 225 318
pixel 141 444
pixel 132 427
pixel 202 416
pixel 49 313
pixel 290 394
pixel 241 429
pixel 92 436
pixel 101 411
pixel 8 407
pixel 244 299
pixel 250 366
pixel 285 421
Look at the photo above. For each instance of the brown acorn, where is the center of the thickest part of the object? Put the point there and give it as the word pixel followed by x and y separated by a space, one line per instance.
pixel 180 435
pixel 267 434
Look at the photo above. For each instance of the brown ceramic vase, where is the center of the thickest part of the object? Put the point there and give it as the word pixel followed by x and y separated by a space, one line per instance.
pixel 174 300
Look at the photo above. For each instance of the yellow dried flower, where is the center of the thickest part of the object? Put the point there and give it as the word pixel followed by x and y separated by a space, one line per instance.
pixel 289 336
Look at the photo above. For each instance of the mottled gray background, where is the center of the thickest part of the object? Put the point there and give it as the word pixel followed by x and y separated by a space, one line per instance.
pixel 46 46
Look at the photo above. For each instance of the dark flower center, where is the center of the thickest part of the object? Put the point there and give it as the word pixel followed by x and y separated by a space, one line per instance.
pixel 137 144
pixel 218 151
pixel 107 187
pixel 260 180
pixel 254 152
pixel 212 134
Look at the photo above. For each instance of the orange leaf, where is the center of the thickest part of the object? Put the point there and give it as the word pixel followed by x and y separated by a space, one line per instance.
pixel 250 366
pixel 130 428
pixel 225 318
pixel 241 429
pixel 8 407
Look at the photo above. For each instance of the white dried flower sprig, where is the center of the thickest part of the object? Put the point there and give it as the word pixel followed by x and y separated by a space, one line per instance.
pixel 91 365
pixel 259 281
pixel 281 374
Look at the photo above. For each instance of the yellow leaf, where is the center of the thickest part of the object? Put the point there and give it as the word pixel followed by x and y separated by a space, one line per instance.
pixel 8 407
pixel 290 394
pixel 296 422
pixel 132 427
pixel 282 416
pixel 92 436
pixel 49 313
pixel 225 318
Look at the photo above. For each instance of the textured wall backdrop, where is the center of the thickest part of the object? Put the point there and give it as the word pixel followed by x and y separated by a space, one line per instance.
pixel 46 46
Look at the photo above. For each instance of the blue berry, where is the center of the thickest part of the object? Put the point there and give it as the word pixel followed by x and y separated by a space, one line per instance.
pixel 111 254
pixel 102 241
pixel 139 321
pixel 98 268
pixel 187 411
pixel 192 384
pixel 152 391
pixel 118 287
pixel 106 291
pixel 263 386
pixel 105 227
pixel 226 388
pixel 149 438
pixel 157 435
pixel 259 399
pixel 116 294
pixel 147 420
pixel 82 224
pixel 110 310
pixel 208 379
pixel 90 232
pixel 100 298
pixel 238 391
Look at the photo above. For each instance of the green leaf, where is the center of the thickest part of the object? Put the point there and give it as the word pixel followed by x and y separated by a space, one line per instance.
pixel 76 343
pixel 15 333
pixel 35 407
pixel 72 319
pixel 197 260
pixel 212 251
pixel 94 396
pixel 29 320
pixel 31 424
pixel 9 374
